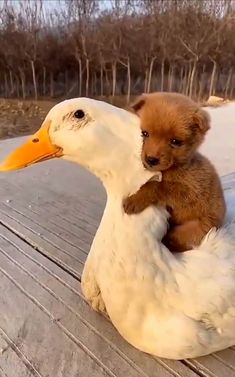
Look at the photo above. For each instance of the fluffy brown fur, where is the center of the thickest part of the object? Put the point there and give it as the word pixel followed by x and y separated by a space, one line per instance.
pixel 173 127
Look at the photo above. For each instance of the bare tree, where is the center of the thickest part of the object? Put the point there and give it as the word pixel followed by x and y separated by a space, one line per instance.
pixel 79 47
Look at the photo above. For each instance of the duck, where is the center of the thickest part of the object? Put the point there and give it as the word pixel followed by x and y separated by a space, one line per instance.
pixel 174 306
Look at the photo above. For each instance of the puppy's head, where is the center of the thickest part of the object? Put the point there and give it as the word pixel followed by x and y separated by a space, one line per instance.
pixel 173 126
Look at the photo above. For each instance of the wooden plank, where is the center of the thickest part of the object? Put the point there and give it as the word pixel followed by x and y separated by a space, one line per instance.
pixel 64 242
pixel 39 314
pixel 79 208
pixel 2 373
pixel 62 258
pixel 52 352
pixel 227 357
pixel 17 244
pixel 48 232
pixel 57 177
pixel 212 366
pixel 75 227
pixel 70 233
pixel 72 222
pixel 102 336
pixel 13 362
pixel 220 364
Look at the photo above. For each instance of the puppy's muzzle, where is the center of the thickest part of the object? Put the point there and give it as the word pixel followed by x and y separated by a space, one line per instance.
pixel 152 161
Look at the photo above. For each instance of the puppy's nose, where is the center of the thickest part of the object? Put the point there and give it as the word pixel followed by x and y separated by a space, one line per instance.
pixel 152 161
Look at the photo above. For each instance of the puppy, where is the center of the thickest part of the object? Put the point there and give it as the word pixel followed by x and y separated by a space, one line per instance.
pixel 173 127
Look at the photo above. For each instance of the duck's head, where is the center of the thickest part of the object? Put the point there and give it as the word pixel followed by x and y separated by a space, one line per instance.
pixel 101 137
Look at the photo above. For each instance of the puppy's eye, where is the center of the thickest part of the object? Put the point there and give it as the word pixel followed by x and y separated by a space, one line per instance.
pixel 176 142
pixel 145 134
pixel 79 114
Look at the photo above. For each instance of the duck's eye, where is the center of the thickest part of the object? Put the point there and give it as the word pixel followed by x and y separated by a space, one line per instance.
pixel 79 114
pixel 176 142
pixel 145 134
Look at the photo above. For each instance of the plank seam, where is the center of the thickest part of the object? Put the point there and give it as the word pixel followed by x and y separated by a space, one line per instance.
pixel 41 235
pixel 55 260
pixel 58 324
pixel 193 367
pixel 50 230
pixel 20 354
pixel 223 362
pixel 41 265
pixel 159 361
pixel 3 373
pixel 203 370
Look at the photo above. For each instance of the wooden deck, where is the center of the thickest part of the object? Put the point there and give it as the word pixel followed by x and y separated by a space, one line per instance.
pixel 48 217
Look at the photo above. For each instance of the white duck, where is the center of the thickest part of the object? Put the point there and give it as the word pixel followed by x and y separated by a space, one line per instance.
pixel 173 306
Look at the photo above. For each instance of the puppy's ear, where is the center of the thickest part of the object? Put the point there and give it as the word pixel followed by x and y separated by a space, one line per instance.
pixel 201 120
pixel 137 105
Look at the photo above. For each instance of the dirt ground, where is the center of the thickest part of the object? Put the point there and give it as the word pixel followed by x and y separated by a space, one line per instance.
pixel 19 118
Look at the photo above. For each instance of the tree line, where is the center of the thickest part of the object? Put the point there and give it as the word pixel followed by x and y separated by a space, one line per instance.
pixel 67 48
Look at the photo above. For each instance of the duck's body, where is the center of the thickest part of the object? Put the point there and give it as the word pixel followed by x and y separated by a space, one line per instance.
pixel 171 306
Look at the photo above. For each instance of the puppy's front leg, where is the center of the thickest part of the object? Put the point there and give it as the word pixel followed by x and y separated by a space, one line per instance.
pixel 148 194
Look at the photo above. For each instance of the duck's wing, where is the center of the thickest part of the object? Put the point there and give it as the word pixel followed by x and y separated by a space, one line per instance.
pixel 228 182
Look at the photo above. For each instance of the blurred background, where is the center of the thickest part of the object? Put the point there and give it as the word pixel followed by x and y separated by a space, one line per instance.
pixel 51 50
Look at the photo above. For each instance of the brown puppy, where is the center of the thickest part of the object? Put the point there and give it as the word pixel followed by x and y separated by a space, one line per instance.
pixel 173 127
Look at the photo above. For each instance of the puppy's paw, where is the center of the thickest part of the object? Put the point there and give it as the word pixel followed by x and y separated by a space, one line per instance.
pixel 132 206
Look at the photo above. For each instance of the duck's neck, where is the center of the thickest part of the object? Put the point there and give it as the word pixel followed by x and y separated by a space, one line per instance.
pixel 135 237
pixel 124 172
pixel 127 178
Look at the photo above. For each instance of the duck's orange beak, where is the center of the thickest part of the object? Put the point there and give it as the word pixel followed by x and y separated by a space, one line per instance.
pixel 37 148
